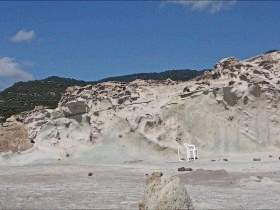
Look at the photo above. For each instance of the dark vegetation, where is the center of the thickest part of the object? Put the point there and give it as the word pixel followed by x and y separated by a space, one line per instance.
pixel 175 75
pixel 24 96
pixel 271 51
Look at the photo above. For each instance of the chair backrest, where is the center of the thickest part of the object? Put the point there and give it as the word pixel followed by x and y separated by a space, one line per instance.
pixel 189 146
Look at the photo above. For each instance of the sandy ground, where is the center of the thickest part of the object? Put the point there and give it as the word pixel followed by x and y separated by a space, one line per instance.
pixel 238 183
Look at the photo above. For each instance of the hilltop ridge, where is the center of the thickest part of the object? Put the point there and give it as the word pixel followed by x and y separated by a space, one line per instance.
pixel 24 96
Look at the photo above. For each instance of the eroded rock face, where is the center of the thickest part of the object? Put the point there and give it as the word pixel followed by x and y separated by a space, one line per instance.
pixel 233 108
pixel 14 137
pixel 165 192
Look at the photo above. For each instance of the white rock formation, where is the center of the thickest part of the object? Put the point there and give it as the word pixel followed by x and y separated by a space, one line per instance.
pixel 233 108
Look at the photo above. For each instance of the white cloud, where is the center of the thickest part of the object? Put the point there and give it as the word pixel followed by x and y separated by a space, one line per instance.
pixel 11 71
pixel 213 6
pixel 23 36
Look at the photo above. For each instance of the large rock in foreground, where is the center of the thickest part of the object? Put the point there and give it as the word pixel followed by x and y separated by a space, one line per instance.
pixel 165 192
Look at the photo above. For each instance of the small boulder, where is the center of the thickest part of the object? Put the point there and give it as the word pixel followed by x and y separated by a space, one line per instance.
pixel 256 159
pixel 184 169
pixel 90 174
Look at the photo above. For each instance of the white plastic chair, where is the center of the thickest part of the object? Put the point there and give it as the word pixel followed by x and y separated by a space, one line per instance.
pixel 190 152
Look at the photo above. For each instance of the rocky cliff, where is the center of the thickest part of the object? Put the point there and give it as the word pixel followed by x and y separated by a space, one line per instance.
pixel 231 109
pixel 25 96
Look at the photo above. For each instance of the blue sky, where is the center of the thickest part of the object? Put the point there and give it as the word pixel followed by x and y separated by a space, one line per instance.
pixel 94 39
